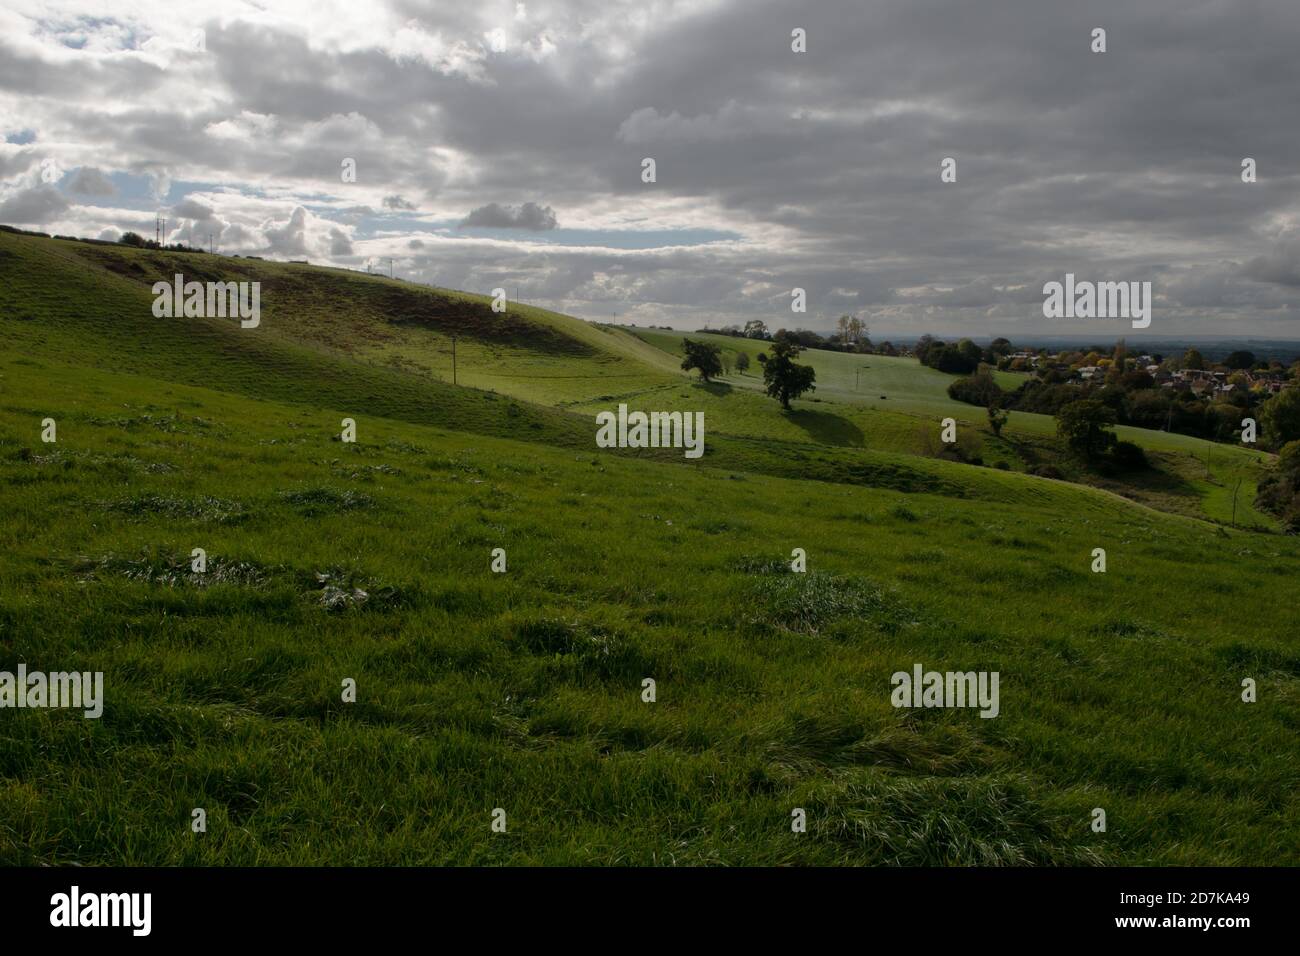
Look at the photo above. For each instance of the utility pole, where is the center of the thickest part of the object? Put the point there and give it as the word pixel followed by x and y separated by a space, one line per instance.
pixel 390 268
pixel 159 228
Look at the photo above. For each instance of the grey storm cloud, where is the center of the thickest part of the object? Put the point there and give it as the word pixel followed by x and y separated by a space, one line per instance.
pixel 496 216
pixel 289 239
pixel 35 206
pixel 89 181
pixel 1122 165
pixel 191 209
pixel 1281 266
pixel 340 244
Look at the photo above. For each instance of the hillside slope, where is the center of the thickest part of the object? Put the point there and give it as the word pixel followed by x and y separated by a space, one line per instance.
pixel 523 690
pixel 357 349
pixel 896 403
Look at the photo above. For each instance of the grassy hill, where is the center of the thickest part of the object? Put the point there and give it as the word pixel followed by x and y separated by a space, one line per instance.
pixel 895 403
pixel 366 342
pixel 523 690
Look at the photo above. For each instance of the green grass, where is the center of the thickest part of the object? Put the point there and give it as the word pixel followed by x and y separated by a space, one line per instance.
pixel 879 380
pixel 523 690
pixel 898 405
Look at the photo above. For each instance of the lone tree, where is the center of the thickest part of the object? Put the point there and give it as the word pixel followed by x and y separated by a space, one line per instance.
pixel 703 356
pixel 784 379
pixel 997 418
pixel 742 362
pixel 1085 426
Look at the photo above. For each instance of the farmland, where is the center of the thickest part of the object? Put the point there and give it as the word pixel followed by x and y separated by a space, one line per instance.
pixel 524 690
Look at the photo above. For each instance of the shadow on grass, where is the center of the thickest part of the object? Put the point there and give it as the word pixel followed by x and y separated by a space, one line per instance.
pixel 716 389
pixel 826 428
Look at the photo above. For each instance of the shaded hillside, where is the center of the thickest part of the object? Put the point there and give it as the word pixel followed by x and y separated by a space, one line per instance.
pixel 380 348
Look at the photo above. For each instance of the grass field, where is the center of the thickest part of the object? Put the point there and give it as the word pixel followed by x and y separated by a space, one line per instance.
pixel 894 403
pixel 523 690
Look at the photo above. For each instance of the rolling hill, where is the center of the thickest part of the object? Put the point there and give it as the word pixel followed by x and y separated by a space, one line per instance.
pixel 523 690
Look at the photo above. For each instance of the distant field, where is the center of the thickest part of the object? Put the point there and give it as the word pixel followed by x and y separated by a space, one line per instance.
pixel 915 400
pixel 523 690
pixel 873 380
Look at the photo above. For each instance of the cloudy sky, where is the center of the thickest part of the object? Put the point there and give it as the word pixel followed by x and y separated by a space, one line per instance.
pixel 501 144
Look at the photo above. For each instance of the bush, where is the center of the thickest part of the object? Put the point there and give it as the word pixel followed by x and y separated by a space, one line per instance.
pixel 967 448
pixel 1279 490
pixel 137 240
pixel 1128 456
pixel 1001 466
pixel 978 389
pixel 1291 518
pixel 1047 471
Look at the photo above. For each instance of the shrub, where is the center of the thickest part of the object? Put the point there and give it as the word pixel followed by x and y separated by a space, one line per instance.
pixel 1291 517
pixel 1128 456
pixel 1279 490
pixel 978 389
pixel 997 417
